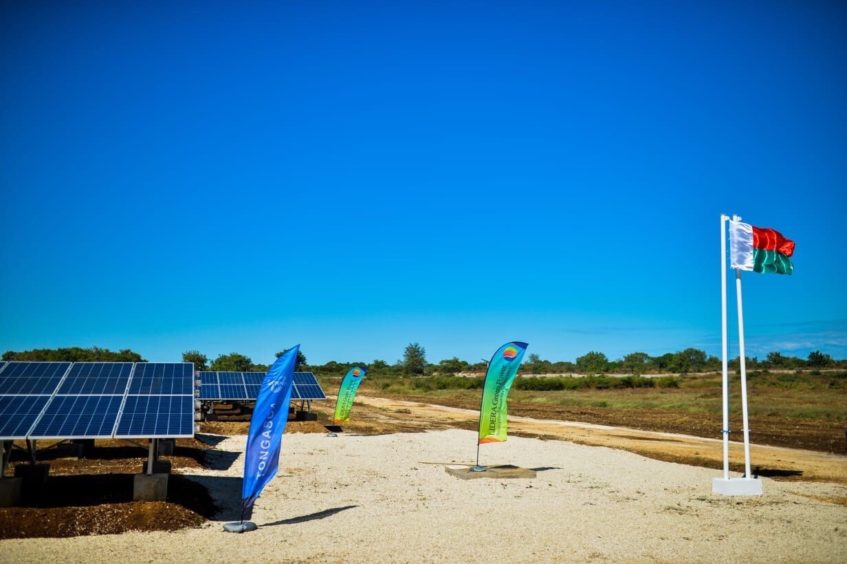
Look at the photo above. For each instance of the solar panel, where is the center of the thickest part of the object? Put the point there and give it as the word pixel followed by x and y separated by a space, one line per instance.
pixel 25 390
pixel 105 378
pixel 87 403
pixel 159 402
pixel 18 413
pixel 157 416
pixel 32 378
pixel 96 400
pixel 253 378
pixel 78 417
pixel 246 386
pixel 308 387
pixel 163 378
pixel 209 387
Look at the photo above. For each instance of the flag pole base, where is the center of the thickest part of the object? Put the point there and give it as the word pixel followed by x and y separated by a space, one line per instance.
pixel 479 468
pixel 737 486
pixel 240 527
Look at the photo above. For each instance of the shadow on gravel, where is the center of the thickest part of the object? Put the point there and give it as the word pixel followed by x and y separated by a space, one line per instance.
pixel 311 517
pixel 218 459
pixel 776 473
pixel 226 493
pixel 211 440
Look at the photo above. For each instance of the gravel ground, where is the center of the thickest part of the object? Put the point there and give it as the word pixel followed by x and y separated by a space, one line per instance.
pixel 388 499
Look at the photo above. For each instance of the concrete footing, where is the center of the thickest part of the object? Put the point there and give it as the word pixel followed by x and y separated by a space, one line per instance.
pixel 737 486
pixel 10 492
pixel 150 487
pixel 499 472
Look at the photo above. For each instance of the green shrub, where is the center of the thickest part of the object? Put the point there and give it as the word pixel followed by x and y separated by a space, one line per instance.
pixel 667 382
pixel 636 381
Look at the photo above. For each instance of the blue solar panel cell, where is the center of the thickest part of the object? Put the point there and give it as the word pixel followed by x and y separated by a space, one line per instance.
pixel 233 391
pixel 146 416
pixel 18 413
pixel 252 391
pixel 233 378
pixel 210 392
pixel 304 379
pixel 209 388
pixel 253 378
pixel 32 378
pixel 208 378
pixel 311 392
pixel 161 378
pixel 101 378
pixel 78 416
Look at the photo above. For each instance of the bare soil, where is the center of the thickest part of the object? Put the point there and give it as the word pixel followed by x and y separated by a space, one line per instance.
pixel 93 495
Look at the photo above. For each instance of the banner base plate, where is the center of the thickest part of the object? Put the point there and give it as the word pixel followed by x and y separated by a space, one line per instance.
pixel 240 527
pixel 736 486
pixel 496 472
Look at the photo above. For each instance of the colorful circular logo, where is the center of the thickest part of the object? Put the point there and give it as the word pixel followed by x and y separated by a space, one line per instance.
pixel 510 353
pixel 357 372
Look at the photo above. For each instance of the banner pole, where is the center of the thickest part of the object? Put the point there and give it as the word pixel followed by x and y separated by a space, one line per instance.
pixel 724 355
pixel 743 365
pixel 477 467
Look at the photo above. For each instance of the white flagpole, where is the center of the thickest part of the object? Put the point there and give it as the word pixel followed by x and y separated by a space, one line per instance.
pixel 743 363
pixel 746 485
pixel 724 361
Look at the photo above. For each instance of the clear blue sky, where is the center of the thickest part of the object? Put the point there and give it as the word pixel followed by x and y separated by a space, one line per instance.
pixel 355 176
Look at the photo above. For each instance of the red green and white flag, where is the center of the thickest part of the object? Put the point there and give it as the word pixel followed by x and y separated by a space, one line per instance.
pixel 759 249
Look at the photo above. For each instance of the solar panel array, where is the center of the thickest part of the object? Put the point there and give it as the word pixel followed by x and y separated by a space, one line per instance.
pixel 225 386
pixel 63 400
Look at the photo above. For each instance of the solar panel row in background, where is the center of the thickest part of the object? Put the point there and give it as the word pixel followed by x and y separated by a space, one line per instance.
pixel 221 386
pixel 63 400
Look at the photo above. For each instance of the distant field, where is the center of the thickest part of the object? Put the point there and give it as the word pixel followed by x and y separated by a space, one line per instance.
pixel 795 409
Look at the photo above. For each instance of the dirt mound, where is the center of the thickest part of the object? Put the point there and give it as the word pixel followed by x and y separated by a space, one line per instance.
pixel 104 519
pixel 93 496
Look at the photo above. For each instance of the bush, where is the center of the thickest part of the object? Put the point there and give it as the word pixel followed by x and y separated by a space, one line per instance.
pixel 668 382
pixel 446 383
pixel 637 382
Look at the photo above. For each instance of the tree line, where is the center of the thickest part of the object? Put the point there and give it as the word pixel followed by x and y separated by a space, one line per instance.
pixel 414 362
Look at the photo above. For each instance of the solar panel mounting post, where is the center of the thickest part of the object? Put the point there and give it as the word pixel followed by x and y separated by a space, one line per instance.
pixel 151 453
pixel 7 454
